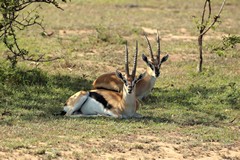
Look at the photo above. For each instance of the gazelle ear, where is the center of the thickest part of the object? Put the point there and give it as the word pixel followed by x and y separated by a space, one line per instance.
pixel 140 77
pixel 120 76
pixel 165 58
pixel 144 58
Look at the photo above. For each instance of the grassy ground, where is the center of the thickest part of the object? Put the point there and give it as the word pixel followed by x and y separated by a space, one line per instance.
pixel 187 116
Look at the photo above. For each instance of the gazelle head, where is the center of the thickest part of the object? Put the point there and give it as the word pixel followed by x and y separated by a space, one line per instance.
pixel 154 64
pixel 129 81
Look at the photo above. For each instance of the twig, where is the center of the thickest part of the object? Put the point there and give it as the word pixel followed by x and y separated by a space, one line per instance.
pixel 234 119
pixel 214 20
pixel 41 59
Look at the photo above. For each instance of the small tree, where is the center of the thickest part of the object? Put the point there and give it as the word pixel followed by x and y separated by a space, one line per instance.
pixel 11 22
pixel 205 25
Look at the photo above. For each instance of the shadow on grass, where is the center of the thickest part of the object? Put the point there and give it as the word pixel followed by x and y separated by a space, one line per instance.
pixel 195 95
pixel 194 105
pixel 33 93
pixel 148 120
pixel 30 95
pixel 72 83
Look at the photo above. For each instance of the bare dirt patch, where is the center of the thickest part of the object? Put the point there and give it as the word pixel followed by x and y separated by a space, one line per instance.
pixel 75 32
pixel 151 147
pixel 182 35
pixel 131 147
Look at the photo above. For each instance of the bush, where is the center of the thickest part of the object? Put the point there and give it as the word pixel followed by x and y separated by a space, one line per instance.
pixel 228 42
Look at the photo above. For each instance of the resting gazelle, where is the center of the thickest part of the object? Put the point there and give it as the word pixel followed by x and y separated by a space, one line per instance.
pixel 143 87
pixel 104 102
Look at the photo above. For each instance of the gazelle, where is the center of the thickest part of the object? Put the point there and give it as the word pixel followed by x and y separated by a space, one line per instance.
pixel 103 102
pixel 144 87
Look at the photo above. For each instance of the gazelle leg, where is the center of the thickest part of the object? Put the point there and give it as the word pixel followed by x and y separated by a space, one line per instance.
pixel 137 115
pixel 89 116
pixel 76 102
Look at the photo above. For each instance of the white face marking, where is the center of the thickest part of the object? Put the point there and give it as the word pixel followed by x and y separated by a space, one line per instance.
pixel 154 69
pixel 151 71
pixel 130 87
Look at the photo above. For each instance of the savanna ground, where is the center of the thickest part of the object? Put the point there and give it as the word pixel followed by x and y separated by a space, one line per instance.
pixel 187 116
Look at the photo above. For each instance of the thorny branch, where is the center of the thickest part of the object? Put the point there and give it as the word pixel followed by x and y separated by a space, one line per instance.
pixel 11 22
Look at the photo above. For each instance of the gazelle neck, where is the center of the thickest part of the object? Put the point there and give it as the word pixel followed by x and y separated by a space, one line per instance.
pixel 150 73
pixel 129 101
pixel 150 77
pixel 145 86
pixel 129 98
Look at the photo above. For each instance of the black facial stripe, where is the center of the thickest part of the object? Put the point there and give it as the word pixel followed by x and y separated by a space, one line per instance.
pixel 133 83
pixel 157 72
pixel 100 99
pixel 130 89
pixel 151 66
pixel 125 82
pixel 159 66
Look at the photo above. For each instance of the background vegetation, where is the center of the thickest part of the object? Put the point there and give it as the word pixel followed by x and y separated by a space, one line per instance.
pixel 193 115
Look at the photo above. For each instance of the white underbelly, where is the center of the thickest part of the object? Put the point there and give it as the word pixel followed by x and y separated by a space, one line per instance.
pixel 93 107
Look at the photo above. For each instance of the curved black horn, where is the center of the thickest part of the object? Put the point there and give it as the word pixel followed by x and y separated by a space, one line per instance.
pixel 126 60
pixel 135 61
pixel 149 47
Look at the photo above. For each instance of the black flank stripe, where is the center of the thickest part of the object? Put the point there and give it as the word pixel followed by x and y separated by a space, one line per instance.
pixel 100 99
pixel 107 89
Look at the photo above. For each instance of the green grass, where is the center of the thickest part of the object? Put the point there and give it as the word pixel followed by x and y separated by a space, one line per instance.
pixel 184 108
